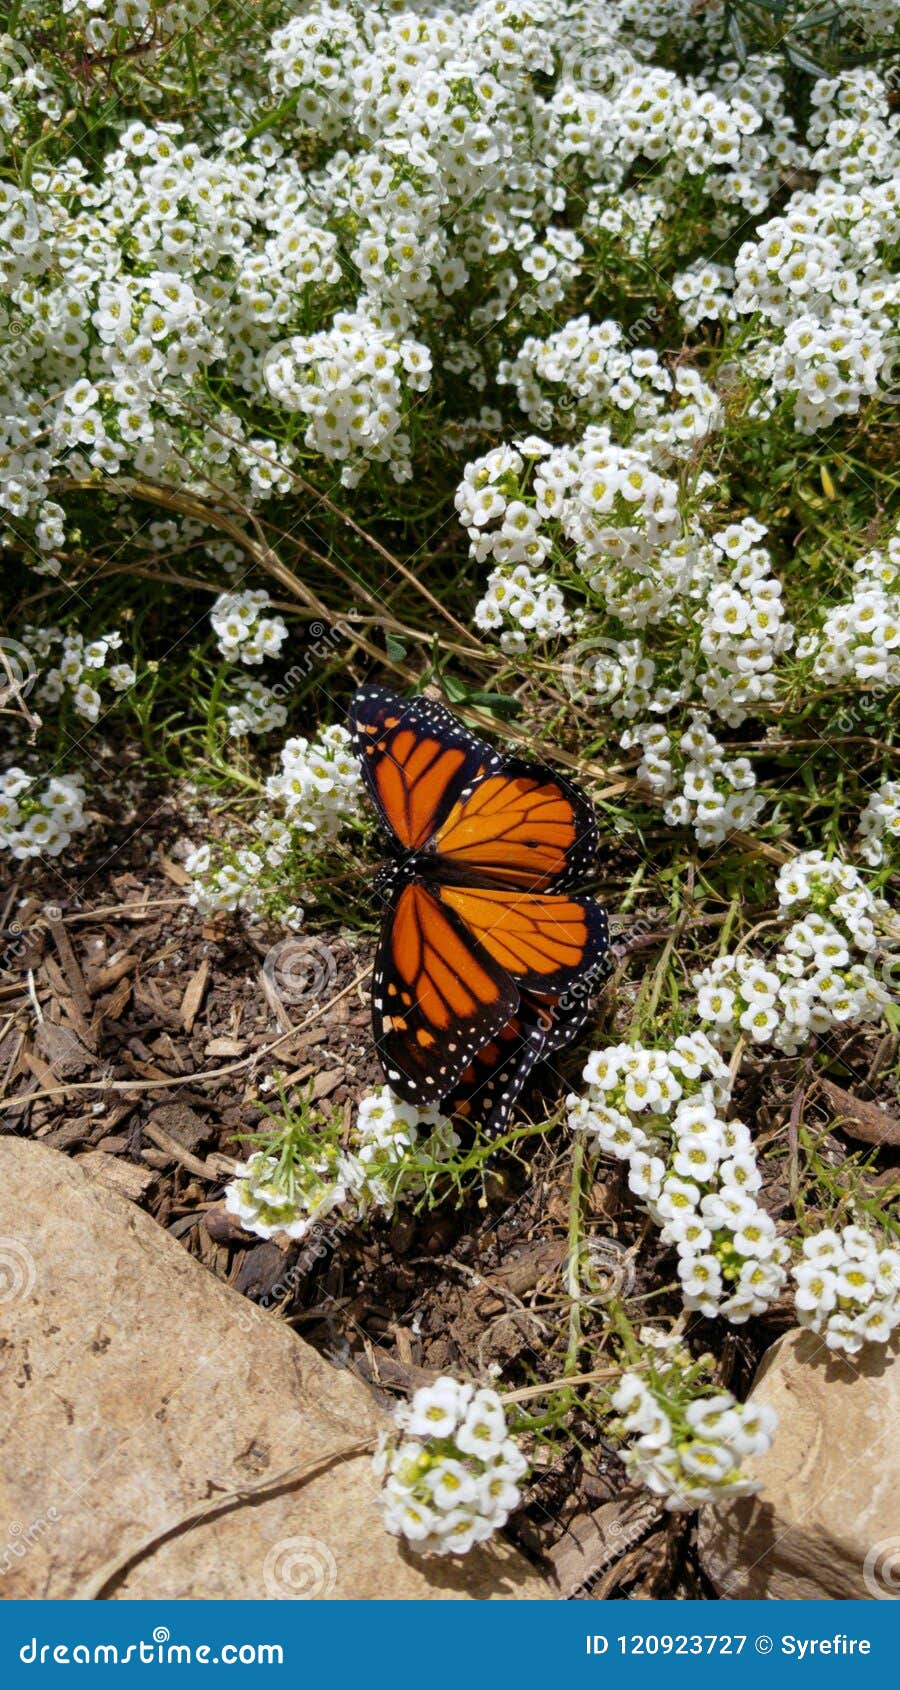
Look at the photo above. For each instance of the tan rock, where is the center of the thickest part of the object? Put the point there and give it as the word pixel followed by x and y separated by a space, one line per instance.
pixel 136 1389
pixel 827 1520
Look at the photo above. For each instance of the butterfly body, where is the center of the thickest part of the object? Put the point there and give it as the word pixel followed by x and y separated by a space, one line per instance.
pixel 483 957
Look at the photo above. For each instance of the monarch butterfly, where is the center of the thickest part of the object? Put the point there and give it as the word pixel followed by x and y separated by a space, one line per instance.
pixel 485 962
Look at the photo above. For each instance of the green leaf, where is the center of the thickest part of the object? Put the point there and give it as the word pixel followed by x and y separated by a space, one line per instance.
pixel 827 14
pixel 777 8
pixel 497 703
pixel 802 61
pixel 395 648
pixel 736 38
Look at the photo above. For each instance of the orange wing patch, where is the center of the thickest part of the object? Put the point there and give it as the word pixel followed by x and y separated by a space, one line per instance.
pixel 545 941
pixel 519 825
pixel 411 779
pixel 438 997
pixel 446 978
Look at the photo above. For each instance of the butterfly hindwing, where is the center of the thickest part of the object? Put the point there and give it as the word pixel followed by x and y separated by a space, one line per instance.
pixel 437 996
pixel 547 941
pixel 499 1073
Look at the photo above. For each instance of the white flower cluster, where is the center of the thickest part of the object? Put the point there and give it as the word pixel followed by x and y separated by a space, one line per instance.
pixel 306 245
pixel 319 782
pixel 702 620
pixel 84 666
pixel 24 87
pixel 518 503
pixel 702 787
pixel 258 711
pixel 245 635
pixel 743 628
pixel 879 824
pixel 721 599
pixel 301 1178
pixel 860 640
pixel 817 281
pixel 587 372
pixel 391 1144
pixel 694 1172
pixel 354 382
pixel 38 820
pixel 451 1477
pixel 847 1288
pixel 703 291
pixel 875 17
pixel 690 1452
pixel 525 605
pixel 310 64
pixel 646 111
pixel 226 878
pixel 272 1193
pixel 315 791
pixel 811 982
pixel 141 19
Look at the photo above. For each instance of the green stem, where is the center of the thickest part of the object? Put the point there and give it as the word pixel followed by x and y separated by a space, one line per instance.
pixel 624 1331
pixel 573 1281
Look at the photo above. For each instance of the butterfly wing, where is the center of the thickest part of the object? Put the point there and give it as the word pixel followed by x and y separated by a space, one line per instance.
pixel 518 825
pixel 417 762
pixel 496 1075
pixel 437 996
pixel 547 942
pixel 499 1073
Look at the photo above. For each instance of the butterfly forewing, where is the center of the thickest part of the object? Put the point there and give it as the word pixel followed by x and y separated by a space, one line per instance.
pixel 519 826
pixel 417 761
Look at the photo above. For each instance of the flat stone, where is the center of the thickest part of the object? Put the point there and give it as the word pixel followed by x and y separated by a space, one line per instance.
pixel 826 1523
pixel 135 1389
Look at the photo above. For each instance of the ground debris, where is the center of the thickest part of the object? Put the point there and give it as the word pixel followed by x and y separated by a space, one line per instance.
pixel 592 1541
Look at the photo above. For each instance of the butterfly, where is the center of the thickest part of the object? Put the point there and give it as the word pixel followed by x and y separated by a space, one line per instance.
pixel 485 960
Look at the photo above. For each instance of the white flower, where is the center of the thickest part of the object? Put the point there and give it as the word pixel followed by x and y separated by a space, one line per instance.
pixel 847 1287
pixel 702 1462
pixel 435 1409
pixel 452 1481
